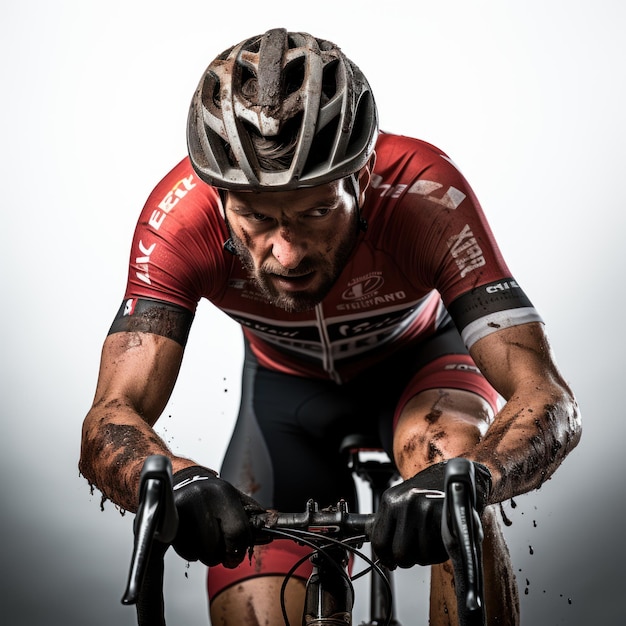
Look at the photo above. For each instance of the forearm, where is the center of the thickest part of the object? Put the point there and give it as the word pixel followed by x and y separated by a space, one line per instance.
pixel 528 440
pixel 115 444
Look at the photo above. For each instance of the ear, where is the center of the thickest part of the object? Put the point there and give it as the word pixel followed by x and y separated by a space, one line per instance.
pixel 365 178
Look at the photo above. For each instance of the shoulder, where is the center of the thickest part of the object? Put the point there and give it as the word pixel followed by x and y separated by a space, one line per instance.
pixel 392 148
pixel 417 170
pixel 177 251
pixel 183 207
pixel 181 187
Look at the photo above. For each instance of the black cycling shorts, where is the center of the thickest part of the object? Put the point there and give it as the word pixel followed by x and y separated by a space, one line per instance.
pixel 285 448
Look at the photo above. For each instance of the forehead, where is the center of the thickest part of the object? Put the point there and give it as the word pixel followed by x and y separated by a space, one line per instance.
pixel 329 194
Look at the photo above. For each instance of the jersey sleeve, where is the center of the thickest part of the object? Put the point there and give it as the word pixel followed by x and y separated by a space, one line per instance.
pixel 454 251
pixel 177 252
pixel 176 258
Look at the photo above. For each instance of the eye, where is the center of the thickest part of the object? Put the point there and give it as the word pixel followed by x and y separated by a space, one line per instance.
pixel 321 212
pixel 256 218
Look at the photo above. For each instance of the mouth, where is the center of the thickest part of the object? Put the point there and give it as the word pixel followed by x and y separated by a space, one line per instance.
pixel 292 283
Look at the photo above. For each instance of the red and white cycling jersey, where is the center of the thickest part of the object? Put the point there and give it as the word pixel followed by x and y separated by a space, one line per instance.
pixel 428 254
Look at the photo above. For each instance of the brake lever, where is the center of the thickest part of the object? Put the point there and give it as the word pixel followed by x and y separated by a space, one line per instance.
pixel 156 519
pixel 462 533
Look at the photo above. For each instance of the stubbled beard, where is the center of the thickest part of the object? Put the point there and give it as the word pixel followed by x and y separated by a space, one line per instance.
pixel 298 302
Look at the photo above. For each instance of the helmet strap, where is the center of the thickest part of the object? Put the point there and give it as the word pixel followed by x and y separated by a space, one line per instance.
pixel 229 246
pixel 354 179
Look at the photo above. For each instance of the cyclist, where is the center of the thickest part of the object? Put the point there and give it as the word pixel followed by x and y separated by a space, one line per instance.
pixel 372 296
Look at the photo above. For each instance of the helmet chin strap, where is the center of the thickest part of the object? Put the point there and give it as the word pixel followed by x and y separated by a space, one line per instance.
pixel 228 245
pixel 354 179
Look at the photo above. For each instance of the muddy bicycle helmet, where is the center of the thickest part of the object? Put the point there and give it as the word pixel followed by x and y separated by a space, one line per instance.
pixel 297 94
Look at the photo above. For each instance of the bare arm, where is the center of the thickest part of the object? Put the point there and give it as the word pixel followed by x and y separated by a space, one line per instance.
pixel 540 422
pixel 137 374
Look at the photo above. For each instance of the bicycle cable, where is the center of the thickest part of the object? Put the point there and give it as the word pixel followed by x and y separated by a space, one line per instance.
pixel 312 540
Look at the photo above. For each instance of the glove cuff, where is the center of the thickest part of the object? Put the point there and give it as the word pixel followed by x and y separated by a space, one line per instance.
pixel 190 475
pixel 482 477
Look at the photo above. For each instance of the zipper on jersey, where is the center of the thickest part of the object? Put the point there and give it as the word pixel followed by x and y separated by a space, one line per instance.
pixel 327 355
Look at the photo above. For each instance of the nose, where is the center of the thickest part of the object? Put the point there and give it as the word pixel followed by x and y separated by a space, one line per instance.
pixel 288 250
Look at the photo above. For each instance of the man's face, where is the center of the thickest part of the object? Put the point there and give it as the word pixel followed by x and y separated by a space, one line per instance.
pixel 294 243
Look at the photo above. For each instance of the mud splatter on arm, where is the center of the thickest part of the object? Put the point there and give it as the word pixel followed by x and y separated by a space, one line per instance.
pixel 113 454
pixel 540 422
pixel 137 374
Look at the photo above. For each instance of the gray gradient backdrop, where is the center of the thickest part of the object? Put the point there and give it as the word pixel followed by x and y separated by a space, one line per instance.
pixel 527 98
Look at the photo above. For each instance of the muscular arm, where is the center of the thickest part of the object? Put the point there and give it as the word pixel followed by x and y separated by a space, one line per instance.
pixel 137 375
pixel 540 422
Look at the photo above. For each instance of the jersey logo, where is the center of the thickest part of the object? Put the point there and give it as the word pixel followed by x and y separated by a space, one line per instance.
pixel 465 251
pixel 171 199
pixel 462 367
pixel 129 307
pixel 451 198
pixel 503 286
pixel 363 286
pixel 143 262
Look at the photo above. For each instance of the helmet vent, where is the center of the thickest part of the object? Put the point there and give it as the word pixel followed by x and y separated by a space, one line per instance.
pixel 249 85
pixel 321 149
pixel 275 153
pixel 360 130
pixel 294 76
pixel 253 45
pixel 210 93
pixel 224 56
pixel 329 81
pixel 216 95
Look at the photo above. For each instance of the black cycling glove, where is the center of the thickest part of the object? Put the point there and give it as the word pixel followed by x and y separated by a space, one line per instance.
pixel 213 524
pixel 407 527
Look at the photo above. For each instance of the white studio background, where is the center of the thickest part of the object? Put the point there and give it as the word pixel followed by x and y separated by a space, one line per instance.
pixel 527 98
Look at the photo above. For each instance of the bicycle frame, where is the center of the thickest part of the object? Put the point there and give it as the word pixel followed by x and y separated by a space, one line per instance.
pixel 379 475
pixel 329 595
pixel 330 532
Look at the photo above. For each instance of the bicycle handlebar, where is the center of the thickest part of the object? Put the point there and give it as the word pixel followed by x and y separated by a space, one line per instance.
pixel 157 521
pixel 462 534
pixel 336 522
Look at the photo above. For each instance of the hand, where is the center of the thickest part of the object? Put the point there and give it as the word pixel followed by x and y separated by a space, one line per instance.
pixel 213 523
pixel 407 528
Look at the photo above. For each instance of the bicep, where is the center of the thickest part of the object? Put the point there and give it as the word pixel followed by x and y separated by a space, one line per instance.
pixel 138 369
pixel 516 358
